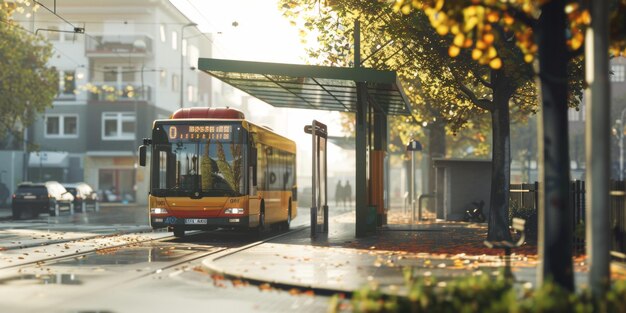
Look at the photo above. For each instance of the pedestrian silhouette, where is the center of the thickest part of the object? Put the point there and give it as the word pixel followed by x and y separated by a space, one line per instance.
pixel 347 194
pixel 339 194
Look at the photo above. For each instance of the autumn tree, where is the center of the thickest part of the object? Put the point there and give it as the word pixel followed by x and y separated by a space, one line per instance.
pixel 27 84
pixel 551 31
pixel 446 82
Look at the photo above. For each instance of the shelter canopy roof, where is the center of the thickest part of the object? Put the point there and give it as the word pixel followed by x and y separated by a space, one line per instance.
pixel 310 86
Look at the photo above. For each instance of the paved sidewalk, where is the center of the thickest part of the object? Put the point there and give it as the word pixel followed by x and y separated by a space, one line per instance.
pixel 342 263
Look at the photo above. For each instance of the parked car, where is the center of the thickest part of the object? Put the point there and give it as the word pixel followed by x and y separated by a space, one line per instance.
pixel 84 196
pixel 31 199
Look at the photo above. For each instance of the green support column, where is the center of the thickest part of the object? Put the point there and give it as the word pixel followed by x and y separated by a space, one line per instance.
pixel 360 195
pixel 377 166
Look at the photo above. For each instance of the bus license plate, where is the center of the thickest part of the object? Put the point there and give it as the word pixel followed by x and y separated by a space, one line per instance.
pixel 195 221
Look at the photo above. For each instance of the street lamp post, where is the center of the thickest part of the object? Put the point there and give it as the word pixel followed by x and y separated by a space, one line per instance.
pixel 621 145
pixel 413 146
pixel 182 61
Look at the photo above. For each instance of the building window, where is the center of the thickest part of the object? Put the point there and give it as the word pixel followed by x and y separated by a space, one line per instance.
pixel 67 83
pixel 194 54
pixel 128 74
pixel 162 29
pixel 174 40
pixel 191 93
pixel 61 125
pixel 118 126
pixel 110 74
pixel 175 82
pixel 618 73
pixel 163 78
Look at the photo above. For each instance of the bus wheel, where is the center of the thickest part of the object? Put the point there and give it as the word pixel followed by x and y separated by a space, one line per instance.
pixel 259 230
pixel 179 232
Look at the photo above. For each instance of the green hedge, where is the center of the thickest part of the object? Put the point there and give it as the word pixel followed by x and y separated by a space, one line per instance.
pixel 483 293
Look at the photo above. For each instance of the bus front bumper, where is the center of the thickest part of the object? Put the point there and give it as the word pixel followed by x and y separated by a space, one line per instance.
pixel 199 223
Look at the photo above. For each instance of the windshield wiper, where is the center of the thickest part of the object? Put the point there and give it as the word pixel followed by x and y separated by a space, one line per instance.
pixel 227 192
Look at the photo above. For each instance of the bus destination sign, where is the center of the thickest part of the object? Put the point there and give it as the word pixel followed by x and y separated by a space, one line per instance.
pixel 199 132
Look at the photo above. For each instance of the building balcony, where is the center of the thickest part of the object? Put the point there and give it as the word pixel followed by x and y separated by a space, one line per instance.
pixel 65 96
pixel 121 46
pixel 126 92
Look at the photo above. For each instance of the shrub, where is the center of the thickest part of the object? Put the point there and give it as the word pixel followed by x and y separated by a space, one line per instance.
pixel 483 293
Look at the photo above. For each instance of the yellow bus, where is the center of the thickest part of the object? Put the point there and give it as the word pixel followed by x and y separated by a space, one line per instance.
pixel 211 168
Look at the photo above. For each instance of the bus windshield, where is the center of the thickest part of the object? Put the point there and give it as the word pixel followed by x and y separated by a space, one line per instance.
pixel 198 161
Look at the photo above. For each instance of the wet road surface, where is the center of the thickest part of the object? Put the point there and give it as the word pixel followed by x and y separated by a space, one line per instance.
pixel 109 261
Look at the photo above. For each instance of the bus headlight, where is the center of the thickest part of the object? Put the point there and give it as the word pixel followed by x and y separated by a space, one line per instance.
pixel 237 211
pixel 158 211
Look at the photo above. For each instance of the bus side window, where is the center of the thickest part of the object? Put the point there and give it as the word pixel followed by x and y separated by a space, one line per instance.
pixel 261 167
pixel 162 170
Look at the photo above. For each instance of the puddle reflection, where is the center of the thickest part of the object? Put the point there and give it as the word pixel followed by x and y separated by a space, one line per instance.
pixel 44 279
pixel 128 256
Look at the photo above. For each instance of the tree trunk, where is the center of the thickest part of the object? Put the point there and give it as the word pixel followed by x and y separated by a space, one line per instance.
pixel 501 162
pixel 555 216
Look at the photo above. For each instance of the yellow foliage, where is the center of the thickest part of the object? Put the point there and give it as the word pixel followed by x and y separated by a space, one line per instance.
pixel 442 29
pixel 476 54
pixel 488 38
pixel 406 9
pixel 459 39
pixel 481 45
pixel 528 58
pixel 453 51
pixel 496 63
pixel 493 17
pixel 491 52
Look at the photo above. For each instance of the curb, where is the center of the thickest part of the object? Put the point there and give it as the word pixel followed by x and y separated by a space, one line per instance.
pixel 210 265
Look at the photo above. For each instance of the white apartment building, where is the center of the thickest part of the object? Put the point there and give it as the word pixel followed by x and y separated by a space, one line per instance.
pixel 114 80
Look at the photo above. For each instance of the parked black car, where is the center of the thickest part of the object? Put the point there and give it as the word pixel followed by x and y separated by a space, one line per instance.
pixel 31 199
pixel 84 196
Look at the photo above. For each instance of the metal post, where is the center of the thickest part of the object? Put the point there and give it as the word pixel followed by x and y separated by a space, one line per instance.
pixel 412 193
pixel 324 159
pixel 314 190
pixel 597 148
pixel 182 62
pixel 621 145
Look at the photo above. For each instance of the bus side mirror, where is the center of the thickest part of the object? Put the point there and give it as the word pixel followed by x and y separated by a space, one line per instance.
pixel 142 155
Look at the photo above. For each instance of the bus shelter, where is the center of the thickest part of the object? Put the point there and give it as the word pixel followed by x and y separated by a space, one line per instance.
pixel 371 94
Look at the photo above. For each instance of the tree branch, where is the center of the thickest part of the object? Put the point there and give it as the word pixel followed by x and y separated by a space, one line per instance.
pixel 482 80
pixel 484 104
